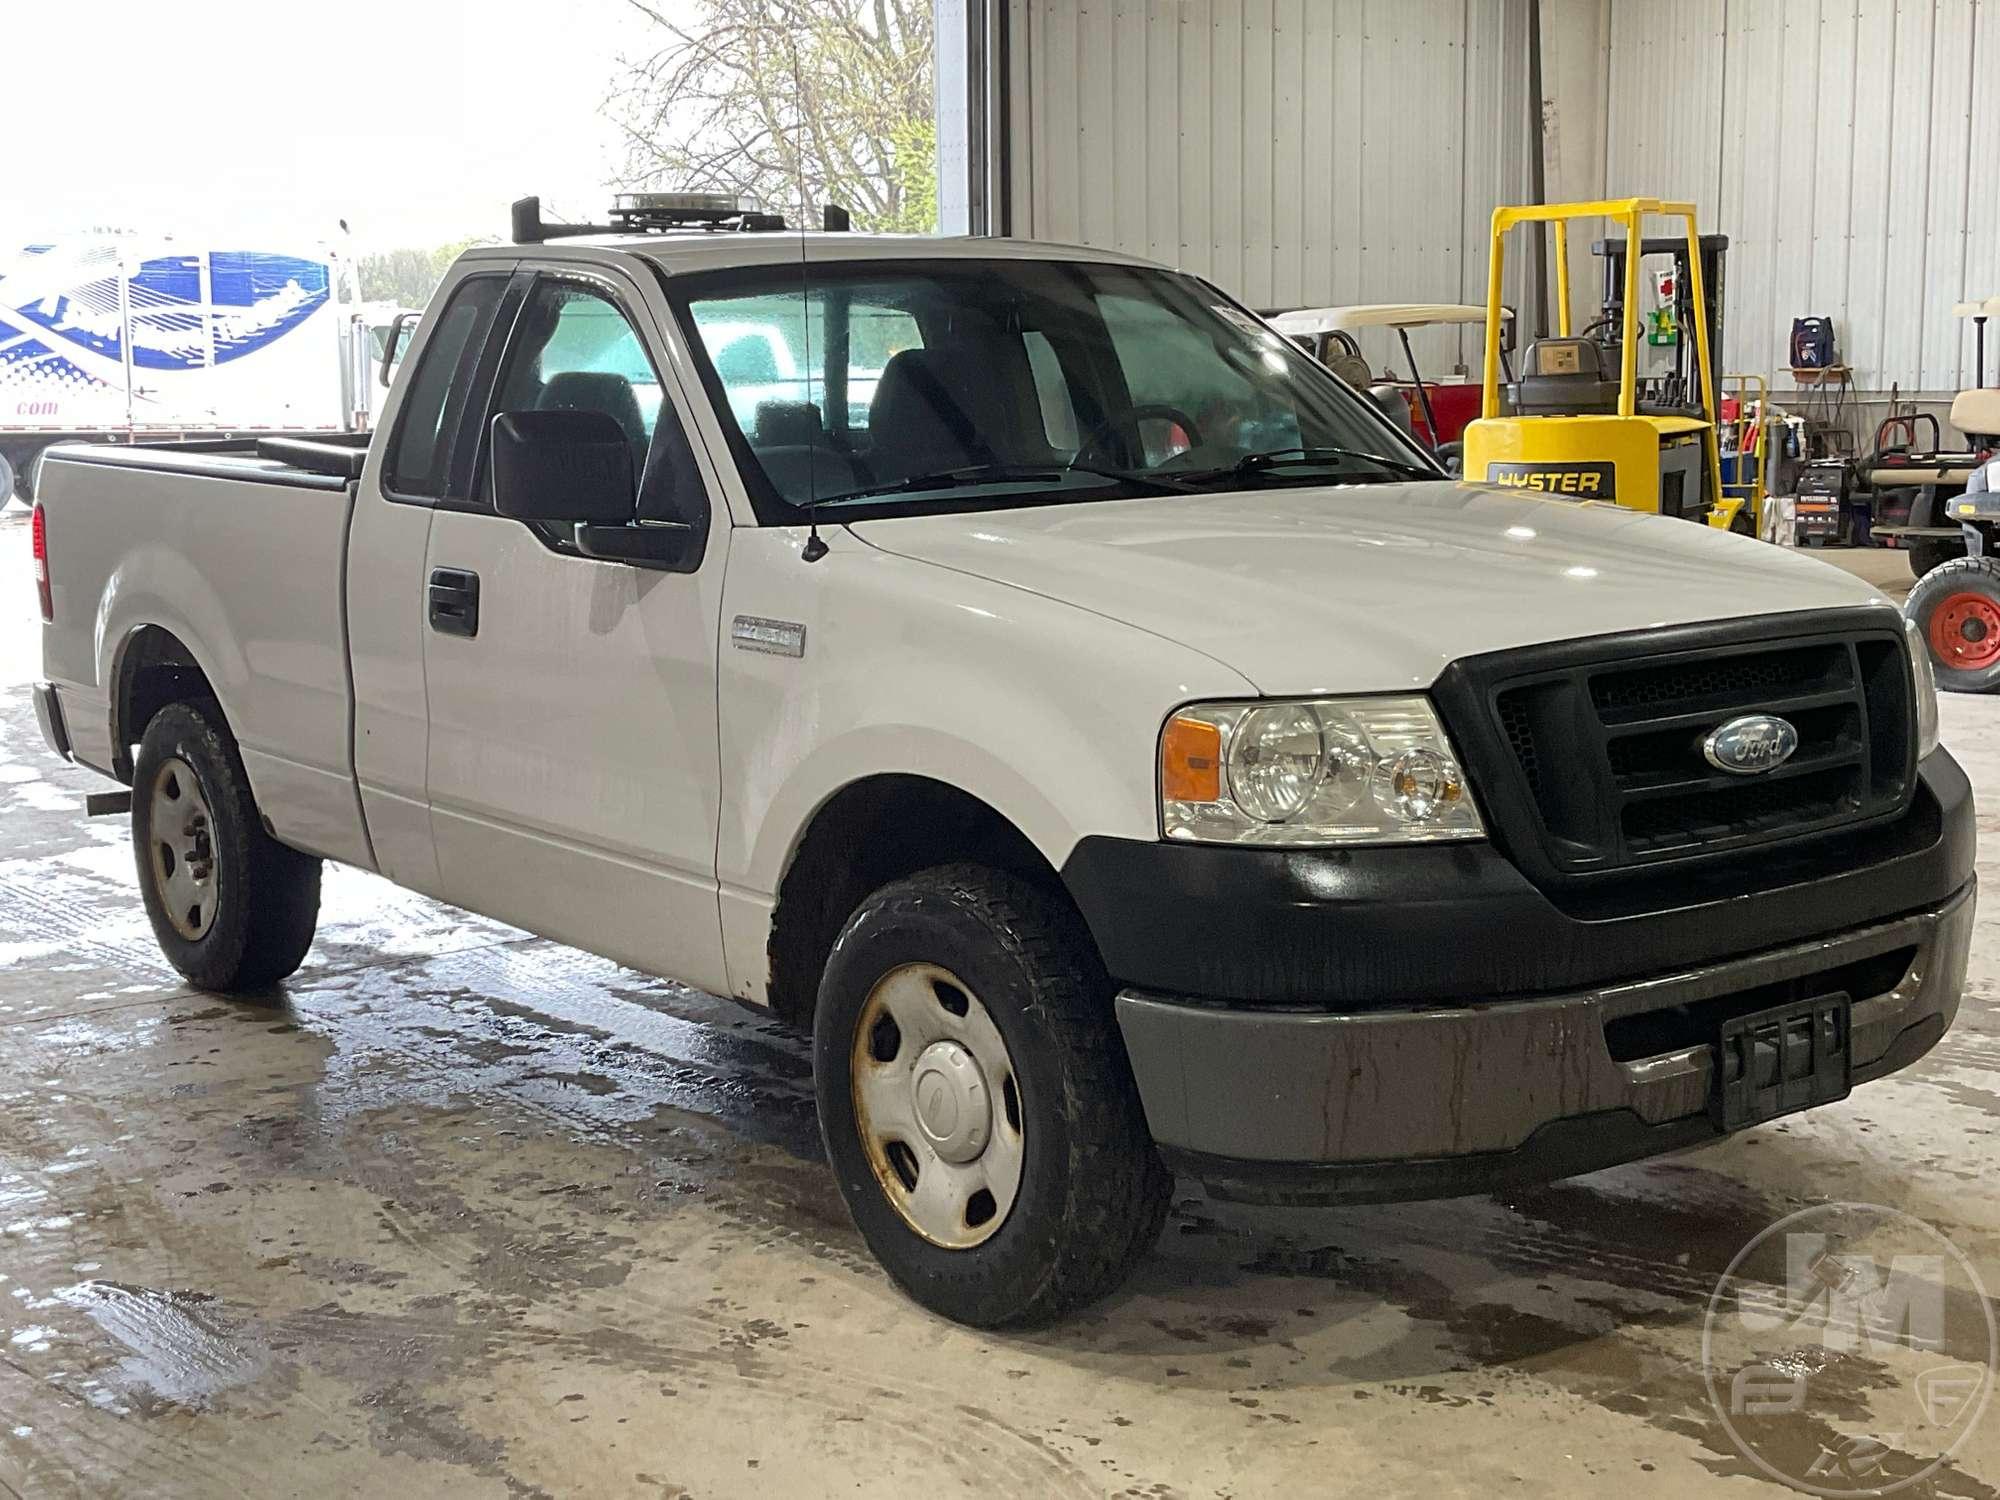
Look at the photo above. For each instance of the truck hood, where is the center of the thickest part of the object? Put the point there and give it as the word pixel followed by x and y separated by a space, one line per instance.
pixel 1369 588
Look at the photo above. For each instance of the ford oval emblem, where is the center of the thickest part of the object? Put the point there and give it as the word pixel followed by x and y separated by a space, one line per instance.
pixel 1753 743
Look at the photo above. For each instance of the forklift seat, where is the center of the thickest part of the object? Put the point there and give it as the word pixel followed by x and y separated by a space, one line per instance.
pixel 1563 377
pixel 1393 404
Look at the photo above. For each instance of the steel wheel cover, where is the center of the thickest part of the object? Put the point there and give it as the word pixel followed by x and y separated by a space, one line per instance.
pixel 937 1105
pixel 182 852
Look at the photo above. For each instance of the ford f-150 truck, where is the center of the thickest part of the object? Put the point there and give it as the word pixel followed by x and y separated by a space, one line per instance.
pixel 1122 748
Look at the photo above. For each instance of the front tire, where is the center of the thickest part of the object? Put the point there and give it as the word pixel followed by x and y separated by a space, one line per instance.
pixel 1956 607
pixel 231 907
pixel 976 1101
pixel 1927 554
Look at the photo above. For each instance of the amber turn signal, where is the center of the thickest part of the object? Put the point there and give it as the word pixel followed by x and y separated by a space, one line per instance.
pixel 1191 761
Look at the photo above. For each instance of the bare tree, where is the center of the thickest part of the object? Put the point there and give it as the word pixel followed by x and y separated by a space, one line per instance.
pixel 802 102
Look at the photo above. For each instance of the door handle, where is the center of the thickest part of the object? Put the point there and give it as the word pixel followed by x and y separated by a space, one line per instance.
pixel 454 601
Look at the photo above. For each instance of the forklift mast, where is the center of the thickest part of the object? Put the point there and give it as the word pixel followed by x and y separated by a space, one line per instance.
pixel 1714 252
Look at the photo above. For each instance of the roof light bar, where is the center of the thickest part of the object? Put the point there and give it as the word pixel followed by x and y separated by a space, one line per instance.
pixel 685 205
pixel 635 213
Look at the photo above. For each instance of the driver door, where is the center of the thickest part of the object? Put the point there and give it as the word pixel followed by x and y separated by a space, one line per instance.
pixel 573 773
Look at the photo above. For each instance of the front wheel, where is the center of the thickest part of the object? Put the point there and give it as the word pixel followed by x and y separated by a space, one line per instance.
pixel 976 1101
pixel 1929 553
pixel 1956 607
pixel 231 907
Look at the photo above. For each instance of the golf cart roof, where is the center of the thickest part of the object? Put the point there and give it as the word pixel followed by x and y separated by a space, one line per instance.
pixel 1310 320
pixel 1979 307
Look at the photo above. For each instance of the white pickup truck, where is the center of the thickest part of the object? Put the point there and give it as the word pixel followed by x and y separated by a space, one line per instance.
pixel 1116 742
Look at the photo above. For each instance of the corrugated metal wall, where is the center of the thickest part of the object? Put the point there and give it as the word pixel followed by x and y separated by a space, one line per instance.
pixel 1298 152
pixel 1847 147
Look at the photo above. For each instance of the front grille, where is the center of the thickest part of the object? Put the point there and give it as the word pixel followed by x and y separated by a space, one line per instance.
pixel 1716 683
pixel 1607 742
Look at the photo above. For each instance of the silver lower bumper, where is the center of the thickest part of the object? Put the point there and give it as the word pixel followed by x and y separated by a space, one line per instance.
pixel 1420 1083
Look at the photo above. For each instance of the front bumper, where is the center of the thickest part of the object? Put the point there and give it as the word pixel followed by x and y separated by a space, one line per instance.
pixel 49 714
pixel 1410 1023
pixel 1285 1106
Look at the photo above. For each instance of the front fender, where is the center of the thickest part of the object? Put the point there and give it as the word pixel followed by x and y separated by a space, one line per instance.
pixel 1045 712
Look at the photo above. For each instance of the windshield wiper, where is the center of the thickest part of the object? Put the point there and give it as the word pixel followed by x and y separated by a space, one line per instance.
pixel 969 476
pixel 1285 458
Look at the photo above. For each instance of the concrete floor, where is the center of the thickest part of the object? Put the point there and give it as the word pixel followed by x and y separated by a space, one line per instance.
pixel 463 1213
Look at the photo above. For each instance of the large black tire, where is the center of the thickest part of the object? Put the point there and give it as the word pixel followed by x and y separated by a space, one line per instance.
pixel 1930 553
pixel 1956 607
pixel 1093 1192
pixel 248 920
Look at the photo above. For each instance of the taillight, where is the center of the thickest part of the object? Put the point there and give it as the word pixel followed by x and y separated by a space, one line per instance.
pixel 40 527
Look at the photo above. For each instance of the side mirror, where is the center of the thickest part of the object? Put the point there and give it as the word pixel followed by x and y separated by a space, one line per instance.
pixel 394 342
pixel 562 466
pixel 1507 322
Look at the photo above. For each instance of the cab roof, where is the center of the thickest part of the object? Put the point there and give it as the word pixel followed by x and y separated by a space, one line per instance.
pixel 684 251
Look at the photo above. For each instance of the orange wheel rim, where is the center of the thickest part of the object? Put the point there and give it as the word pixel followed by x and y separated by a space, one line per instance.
pixel 1964 631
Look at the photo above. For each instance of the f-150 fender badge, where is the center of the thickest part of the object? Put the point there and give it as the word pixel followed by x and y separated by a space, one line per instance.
pixel 772 637
pixel 1753 743
pixel 1590 481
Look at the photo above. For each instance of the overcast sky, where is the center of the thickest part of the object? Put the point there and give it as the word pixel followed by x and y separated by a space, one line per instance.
pixel 417 121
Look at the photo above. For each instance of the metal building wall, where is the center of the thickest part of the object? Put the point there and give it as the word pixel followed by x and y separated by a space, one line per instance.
pixel 1847 147
pixel 1297 152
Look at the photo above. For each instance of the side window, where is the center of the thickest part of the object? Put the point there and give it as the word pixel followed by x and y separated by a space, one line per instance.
pixel 419 460
pixel 574 350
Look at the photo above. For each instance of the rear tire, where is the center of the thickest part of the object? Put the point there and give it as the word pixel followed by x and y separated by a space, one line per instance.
pixel 1956 607
pixel 1081 1190
pixel 232 908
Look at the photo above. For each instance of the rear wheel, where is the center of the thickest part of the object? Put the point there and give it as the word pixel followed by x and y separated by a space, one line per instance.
pixel 1956 606
pixel 976 1101
pixel 231 907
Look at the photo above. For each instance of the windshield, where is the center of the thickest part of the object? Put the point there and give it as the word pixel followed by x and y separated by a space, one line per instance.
pixel 1005 382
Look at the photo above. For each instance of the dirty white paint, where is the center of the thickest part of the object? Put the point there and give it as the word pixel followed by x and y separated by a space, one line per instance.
pixel 462 1213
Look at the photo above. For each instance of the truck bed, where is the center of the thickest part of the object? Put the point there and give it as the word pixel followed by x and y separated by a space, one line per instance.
pixel 237 551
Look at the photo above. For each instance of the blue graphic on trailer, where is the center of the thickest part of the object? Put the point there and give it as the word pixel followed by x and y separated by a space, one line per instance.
pixel 255 298
pixel 23 357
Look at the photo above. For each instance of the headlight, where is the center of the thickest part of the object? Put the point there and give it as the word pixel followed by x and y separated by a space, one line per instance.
pixel 1927 704
pixel 1318 771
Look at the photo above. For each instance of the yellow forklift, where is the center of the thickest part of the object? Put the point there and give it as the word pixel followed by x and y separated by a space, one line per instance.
pixel 1577 422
